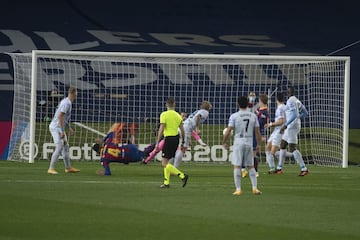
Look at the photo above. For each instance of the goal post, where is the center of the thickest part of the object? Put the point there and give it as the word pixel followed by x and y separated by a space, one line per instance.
pixel 132 88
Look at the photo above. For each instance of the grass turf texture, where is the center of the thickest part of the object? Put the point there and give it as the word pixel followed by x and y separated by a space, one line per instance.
pixel 130 204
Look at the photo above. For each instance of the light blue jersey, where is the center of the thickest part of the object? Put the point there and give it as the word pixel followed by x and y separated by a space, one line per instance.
pixel 294 111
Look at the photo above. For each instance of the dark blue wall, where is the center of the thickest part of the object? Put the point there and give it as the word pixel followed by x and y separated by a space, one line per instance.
pixel 260 27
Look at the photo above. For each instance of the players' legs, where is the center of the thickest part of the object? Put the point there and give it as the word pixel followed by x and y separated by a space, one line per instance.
pixel 59 144
pixel 237 179
pixel 297 156
pixel 282 153
pixel 256 162
pixel 270 156
pixel 293 141
pixel 155 151
pixel 55 156
pixel 237 162
pixel 197 138
pixel 170 147
pixel 249 163
pixel 106 164
pixel 66 155
pixel 178 157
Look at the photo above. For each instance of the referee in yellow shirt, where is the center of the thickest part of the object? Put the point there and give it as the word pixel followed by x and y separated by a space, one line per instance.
pixel 170 122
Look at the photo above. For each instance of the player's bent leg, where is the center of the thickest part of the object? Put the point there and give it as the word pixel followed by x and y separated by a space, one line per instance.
pixel 106 164
pixel 299 159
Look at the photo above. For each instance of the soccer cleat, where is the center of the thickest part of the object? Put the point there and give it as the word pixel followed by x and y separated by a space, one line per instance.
pixel 272 171
pixel 256 192
pixel 244 173
pixel 279 171
pixel 303 173
pixel 52 171
pixel 164 186
pixel 237 193
pixel 184 180
pixel 72 170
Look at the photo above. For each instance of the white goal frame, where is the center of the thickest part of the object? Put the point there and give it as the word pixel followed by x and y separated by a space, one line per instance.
pixel 250 58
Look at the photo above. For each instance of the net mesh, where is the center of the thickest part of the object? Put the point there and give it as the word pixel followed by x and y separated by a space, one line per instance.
pixel 133 90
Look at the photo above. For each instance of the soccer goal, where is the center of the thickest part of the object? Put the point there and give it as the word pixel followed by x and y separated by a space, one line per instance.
pixel 132 88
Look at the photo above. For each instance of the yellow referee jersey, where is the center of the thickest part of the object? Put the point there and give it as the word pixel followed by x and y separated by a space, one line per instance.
pixel 172 121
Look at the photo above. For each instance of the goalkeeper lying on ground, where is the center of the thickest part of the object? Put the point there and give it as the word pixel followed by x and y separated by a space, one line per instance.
pixel 115 148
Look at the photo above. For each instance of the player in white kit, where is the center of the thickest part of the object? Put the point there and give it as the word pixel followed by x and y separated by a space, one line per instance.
pixel 295 111
pixel 245 124
pixel 273 143
pixel 57 126
pixel 191 124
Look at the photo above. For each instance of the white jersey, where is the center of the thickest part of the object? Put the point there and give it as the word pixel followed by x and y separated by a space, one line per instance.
pixel 64 107
pixel 279 114
pixel 190 122
pixel 244 123
pixel 293 107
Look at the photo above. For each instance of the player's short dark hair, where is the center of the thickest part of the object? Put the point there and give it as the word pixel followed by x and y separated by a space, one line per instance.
pixel 291 91
pixel 243 102
pixel 264 98
pixel 96 147
pixel 280 97
pixel 170 101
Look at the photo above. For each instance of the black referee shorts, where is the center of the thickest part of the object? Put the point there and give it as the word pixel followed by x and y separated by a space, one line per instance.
pixel 170 146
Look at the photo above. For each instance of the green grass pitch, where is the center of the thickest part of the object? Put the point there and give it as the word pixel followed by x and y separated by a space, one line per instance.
pixel 130 204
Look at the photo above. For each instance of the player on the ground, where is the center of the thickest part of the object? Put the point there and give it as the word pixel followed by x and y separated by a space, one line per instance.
pixel 245 124
pixel 273 144
pixel 115 148
pixel 295 111
pixel 192 124
pixel 170 122
pixel 57 126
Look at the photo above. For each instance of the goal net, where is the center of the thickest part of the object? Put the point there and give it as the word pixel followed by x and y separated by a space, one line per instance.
pixel 131 88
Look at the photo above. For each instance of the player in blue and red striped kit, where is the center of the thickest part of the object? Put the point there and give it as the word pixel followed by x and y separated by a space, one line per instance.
pixel 262 114
pixel 116 147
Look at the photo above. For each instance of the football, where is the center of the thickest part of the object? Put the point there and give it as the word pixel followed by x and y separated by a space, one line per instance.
pixel 224 131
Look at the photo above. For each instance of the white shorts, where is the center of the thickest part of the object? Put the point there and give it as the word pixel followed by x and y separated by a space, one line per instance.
pixel 56 134
pixel 291 135
pixel 187 138
pixel 242 153
pixel 275 138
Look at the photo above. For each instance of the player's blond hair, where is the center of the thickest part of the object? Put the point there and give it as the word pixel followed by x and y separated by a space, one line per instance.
pixel 117 129
pixel 72 90
pixel 206 105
